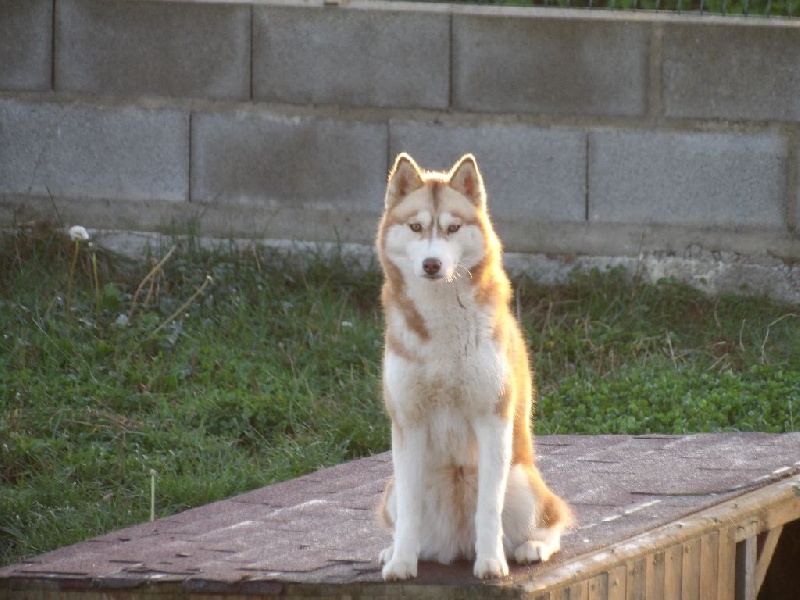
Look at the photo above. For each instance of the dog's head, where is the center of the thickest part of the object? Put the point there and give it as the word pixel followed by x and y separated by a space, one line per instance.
pixel 434 224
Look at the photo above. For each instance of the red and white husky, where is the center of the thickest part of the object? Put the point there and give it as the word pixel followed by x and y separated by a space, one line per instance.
pixel 457 385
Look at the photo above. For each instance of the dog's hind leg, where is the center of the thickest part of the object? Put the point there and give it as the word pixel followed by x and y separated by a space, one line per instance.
pixel 533 517
pixel 540 546
pixel 387 513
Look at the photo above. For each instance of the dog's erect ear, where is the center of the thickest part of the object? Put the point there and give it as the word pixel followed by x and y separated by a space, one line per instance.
pixel 466 179
pixel 404 178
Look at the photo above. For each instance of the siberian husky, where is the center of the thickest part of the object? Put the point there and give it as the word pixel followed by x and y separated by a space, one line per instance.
pixel 457 385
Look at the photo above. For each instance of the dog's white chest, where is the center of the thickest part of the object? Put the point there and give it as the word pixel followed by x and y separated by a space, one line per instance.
pixel 461 356
pixel 457 374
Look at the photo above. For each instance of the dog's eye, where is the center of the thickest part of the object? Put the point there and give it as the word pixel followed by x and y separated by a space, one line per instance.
pixel 453 228
pixel 415 227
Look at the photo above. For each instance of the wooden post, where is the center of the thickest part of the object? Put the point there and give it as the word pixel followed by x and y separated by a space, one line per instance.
pixel 726 588
pixel 746 552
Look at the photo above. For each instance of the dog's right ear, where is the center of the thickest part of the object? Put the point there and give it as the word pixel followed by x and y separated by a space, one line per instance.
pixel 404 178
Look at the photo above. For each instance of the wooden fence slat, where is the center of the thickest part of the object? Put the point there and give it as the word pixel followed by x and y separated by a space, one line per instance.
pixel 598 587
pixel 690 570
pixel 635 588
pixel 654 585
pixel 617 583
pixel 726 580
pixel 746 557
pixel 578 591
pixel 673 563
pixel 709 565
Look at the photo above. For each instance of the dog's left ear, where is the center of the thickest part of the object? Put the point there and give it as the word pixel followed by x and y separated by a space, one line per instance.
pixel 466 179
pixel 404 178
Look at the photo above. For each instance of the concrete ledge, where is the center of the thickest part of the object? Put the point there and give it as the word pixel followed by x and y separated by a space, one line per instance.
pixel 219 220
pixel 380 58
pixel 117 153
pixel 710 272
pixel 570 240
pixel 153 48
pixel 532 174
pixel 259 157
pixel 532 63
pixel 692 178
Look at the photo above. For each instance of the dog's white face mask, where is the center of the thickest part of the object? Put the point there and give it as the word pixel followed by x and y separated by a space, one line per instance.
pixel 435 246
pixel 433 228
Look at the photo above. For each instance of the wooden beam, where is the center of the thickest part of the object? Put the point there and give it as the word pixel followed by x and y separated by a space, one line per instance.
pixel 765 555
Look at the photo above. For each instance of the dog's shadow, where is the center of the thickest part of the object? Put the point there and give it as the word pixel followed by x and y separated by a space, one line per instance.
pixel 460 573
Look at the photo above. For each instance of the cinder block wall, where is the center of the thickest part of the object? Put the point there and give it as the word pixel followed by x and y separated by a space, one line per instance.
pixel 599 133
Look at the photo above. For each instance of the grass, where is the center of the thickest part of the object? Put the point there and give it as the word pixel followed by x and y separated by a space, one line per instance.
pixel 228 370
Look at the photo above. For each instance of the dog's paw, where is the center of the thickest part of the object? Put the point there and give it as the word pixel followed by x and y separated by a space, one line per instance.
pixel 491 567
pixel 386 555
pixel 396 569
pixel 534 551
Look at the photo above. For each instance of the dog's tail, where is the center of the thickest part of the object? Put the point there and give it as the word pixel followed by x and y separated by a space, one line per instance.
pixel 384 510
pixel 553 511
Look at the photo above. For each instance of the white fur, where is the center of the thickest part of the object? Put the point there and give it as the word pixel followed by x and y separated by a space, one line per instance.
pixel 445 403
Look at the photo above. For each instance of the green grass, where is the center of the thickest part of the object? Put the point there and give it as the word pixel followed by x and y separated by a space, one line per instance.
pixel 271 370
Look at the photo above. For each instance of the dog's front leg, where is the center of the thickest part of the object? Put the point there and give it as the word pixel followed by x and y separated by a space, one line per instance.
pixel 408 456
pixel 494 455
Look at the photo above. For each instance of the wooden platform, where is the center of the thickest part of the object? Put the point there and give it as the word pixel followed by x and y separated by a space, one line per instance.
pixel 696 516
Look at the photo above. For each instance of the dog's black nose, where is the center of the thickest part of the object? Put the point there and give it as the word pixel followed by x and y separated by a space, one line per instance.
pixel 431 266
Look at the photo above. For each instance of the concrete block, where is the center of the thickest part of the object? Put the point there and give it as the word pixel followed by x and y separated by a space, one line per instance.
pixel 553 66
pixel 730 180
pixel 531 174
pixel 26 44
pixel 351 57
pixel 745 70
pixel 795 192
pixel 153 48
pixel 266 159
pixel 87 151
